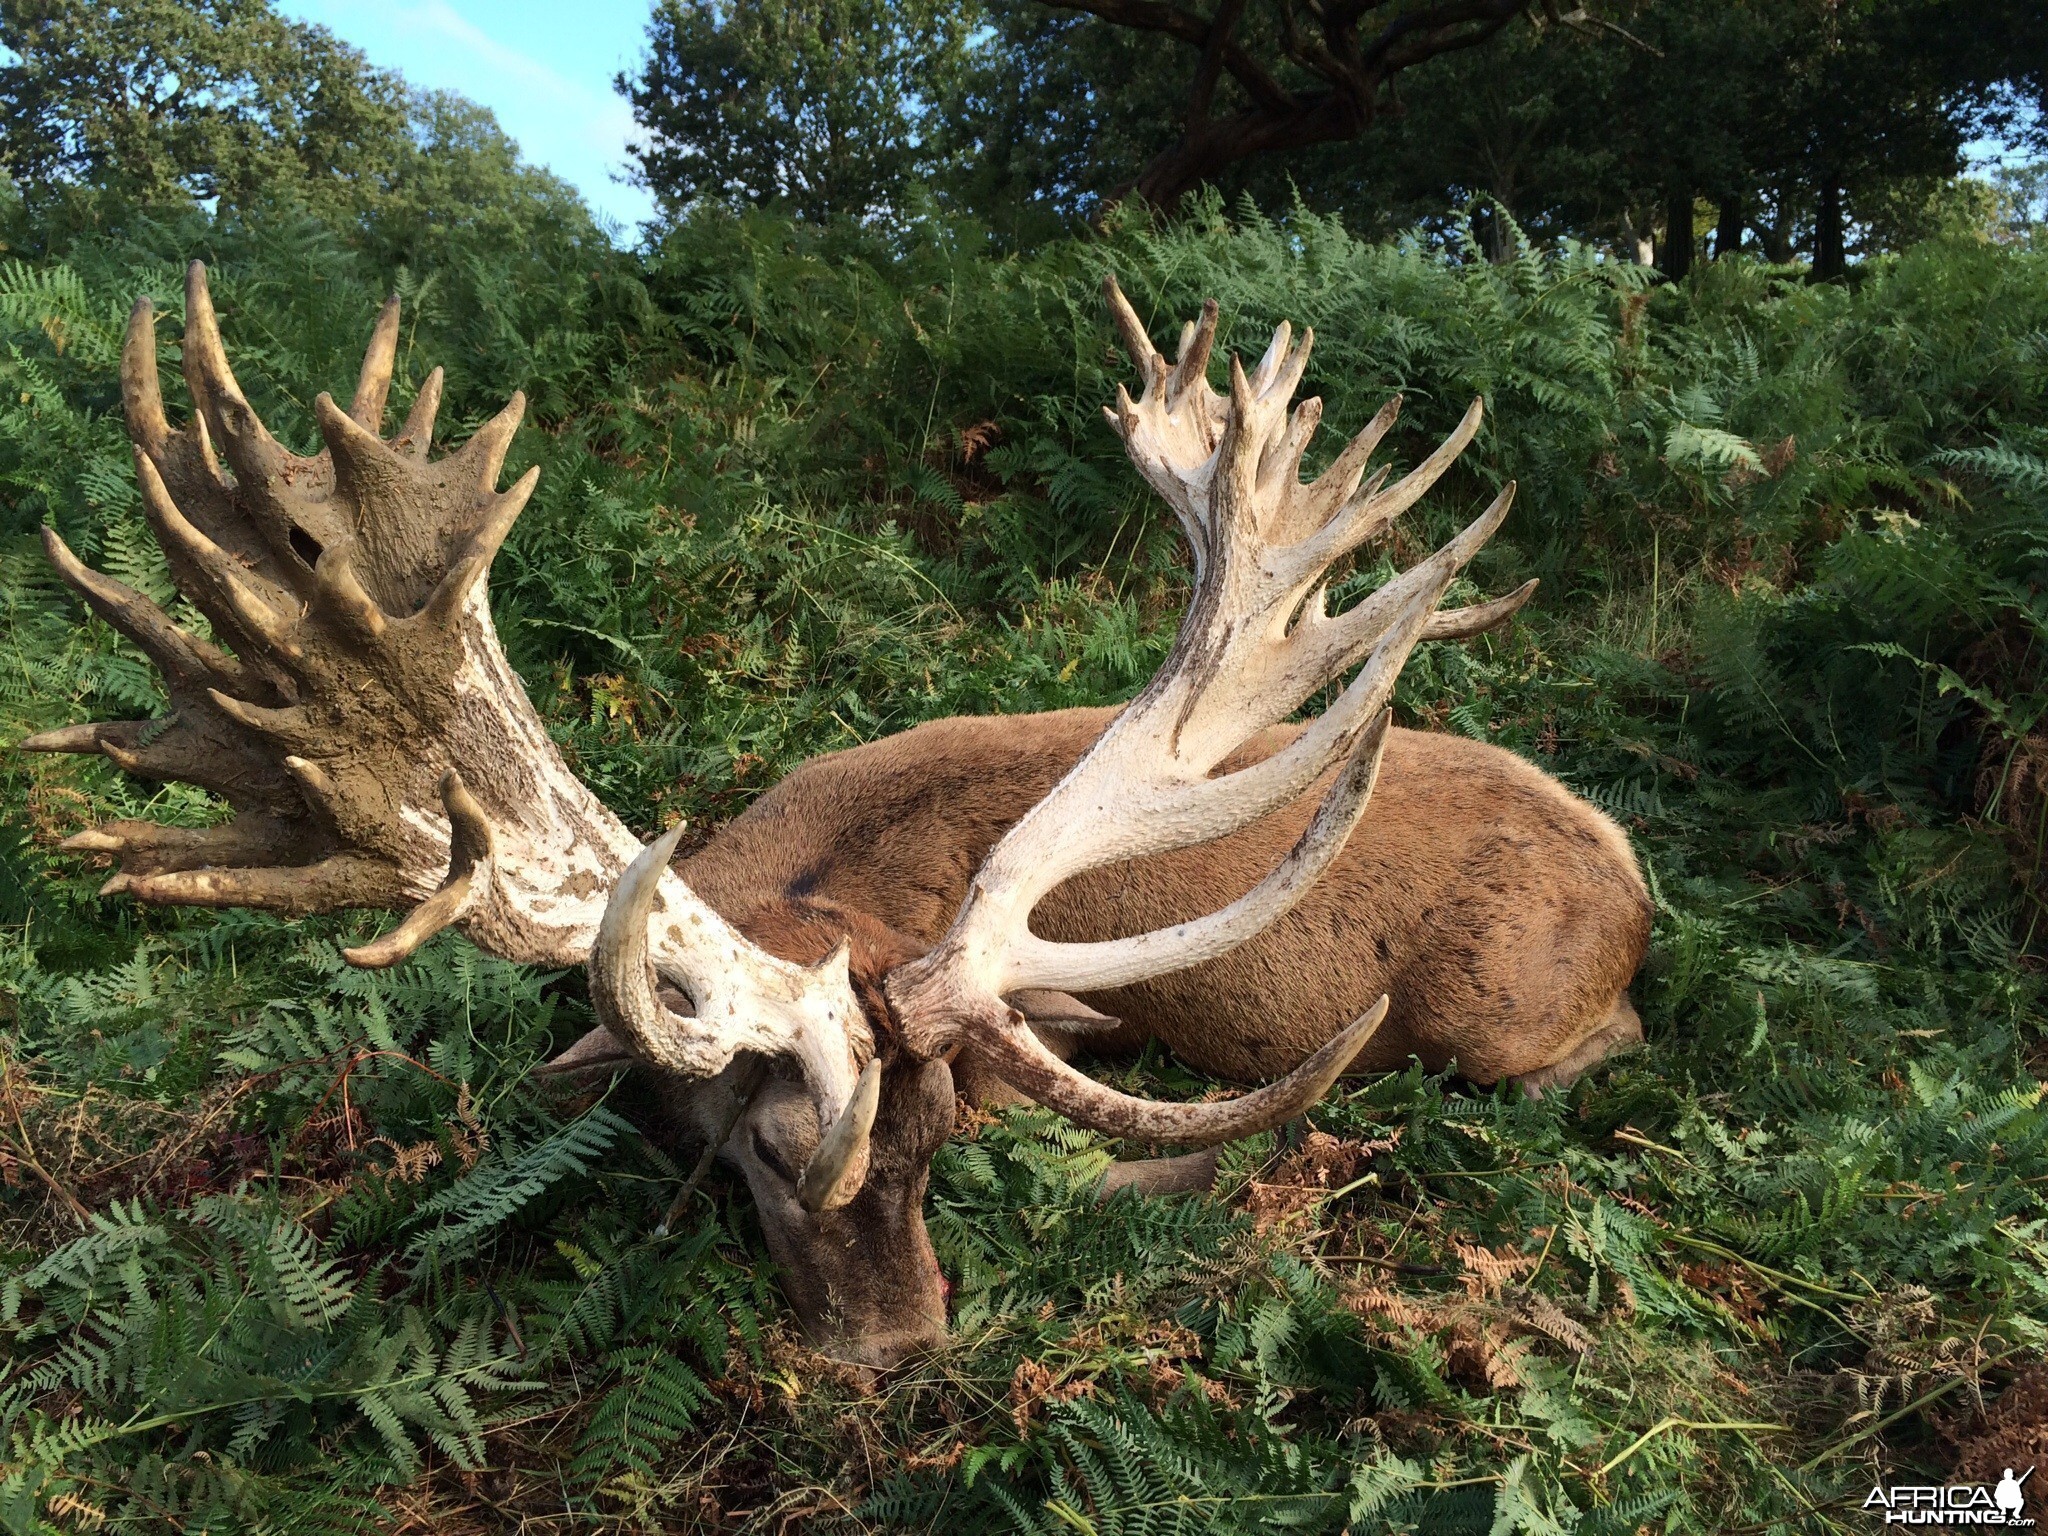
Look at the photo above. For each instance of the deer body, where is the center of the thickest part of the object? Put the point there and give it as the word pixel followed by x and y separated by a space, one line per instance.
pixel 1502 915
pixel 808 982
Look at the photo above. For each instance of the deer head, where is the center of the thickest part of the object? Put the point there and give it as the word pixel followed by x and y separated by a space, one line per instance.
pixel 377 750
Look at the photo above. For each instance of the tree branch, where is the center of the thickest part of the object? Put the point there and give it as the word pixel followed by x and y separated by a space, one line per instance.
pixel 1189 27
pixel 1278 119
pixel 1347 12
pixel 1436 30
pixel 1313 56
pixel 1203 94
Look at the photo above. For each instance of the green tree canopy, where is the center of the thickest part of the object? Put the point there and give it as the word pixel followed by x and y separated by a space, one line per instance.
pixel 157 105
pixel 824 107
pixel 458 178
pixel 1800 121
pixel 161 100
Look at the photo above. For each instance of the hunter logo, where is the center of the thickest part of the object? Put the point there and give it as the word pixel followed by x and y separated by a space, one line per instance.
pixel 1952 1504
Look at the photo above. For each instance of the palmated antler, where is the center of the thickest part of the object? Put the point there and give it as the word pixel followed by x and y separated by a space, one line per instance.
pixel 1256 642
pixel 376 747
pixel 374 744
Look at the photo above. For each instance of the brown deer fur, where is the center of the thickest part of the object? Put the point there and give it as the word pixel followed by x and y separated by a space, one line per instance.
pixel 1503 915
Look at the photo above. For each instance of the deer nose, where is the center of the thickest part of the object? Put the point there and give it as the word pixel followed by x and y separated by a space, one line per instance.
pixel 885 1350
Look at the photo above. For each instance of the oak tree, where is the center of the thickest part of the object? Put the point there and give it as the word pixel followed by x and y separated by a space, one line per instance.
pixel 823 107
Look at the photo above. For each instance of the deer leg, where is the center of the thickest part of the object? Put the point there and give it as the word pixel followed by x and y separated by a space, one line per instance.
pixel 1192 1173
pixel 1621 1030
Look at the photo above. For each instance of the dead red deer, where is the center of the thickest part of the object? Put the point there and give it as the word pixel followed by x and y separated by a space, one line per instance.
pixel 806 985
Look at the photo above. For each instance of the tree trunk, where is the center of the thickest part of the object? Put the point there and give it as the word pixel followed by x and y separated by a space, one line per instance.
pixel 1493 233
pixel 1678 242
pixel 1830 260
pixel 1776 236
pixel 1728 229
pixel 1206 149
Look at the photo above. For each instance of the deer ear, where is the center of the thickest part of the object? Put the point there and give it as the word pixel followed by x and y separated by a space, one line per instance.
pixel 597 1051
pixel 1059 1010
pixel 601 1050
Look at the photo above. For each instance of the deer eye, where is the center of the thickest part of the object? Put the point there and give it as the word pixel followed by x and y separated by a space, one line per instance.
pixel 765 1151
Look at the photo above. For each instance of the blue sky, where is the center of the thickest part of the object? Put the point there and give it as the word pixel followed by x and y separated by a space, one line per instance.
pixel 544 69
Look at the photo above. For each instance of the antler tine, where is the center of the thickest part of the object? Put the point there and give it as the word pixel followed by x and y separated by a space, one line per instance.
pixel 1281 461
pixel 1131 330
pixel 185 660
pixel 417 435
pixel 1197 339
pixel 472 854
pixel 265 472
pixel 1023 1061
pixel 84 738
pixel 1464 623
pixel 148 847
pixel 1328 646
pixel 142 398
pixel 1355 518
pixel 485 452
pixel 216 395
pixel 1262 373
pixel 342 594
pixel 229 598
pixel 1283 364
pixel 373 385
pixel 194 751
pixel 359 454
pixel 1254 644
pixel 481 548
pixel 1310 507
pixel 622 976
pixel 342 881
pixel 745 1000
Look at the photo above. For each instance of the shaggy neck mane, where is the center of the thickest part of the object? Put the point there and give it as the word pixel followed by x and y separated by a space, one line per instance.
pixel 805 929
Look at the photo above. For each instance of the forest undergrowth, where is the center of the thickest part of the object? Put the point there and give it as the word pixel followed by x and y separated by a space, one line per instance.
pixel 289 1246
